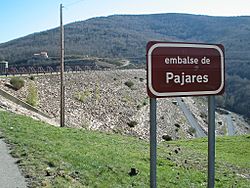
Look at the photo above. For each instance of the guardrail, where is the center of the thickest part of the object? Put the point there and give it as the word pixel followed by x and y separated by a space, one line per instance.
pixel 46 69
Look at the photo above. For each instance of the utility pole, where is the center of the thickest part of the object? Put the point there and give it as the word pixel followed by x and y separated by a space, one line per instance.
pixel 62 102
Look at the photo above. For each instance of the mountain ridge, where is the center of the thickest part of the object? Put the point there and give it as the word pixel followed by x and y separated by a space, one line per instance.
pixel 125 36
pixel 132 31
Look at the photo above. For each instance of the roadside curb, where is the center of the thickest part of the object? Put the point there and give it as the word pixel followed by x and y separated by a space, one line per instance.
pixel 22 103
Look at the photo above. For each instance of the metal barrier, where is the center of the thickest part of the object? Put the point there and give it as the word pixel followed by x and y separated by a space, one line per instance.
pixel 16 70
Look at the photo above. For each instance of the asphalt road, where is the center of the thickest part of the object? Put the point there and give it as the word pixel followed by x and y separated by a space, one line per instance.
pixel 10 176
pixel 230 126
pixel 199 132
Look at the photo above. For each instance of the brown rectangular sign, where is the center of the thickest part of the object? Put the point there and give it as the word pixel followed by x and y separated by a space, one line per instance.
pixel 184 69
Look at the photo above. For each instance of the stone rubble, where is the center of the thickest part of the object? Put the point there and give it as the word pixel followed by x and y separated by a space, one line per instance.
pixel 99 100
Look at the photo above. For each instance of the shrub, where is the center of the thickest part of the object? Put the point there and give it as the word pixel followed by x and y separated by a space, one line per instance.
pixel 32 97
pixel 177 125
pixel 139 106
pixel 191 130
pixel 82 96
pixel 132 123
pixel 17 82
pixel 141 79
pixel 129 84
pixel 145 102
pixel 203 115
pixel 166 137
pixel 97 93
pixel 32 78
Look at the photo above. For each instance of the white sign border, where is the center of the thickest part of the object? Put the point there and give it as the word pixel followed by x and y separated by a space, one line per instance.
pixel 186 93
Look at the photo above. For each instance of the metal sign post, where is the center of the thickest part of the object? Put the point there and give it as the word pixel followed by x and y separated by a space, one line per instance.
pixel 184 69
pixel 211 141
pixel 153 142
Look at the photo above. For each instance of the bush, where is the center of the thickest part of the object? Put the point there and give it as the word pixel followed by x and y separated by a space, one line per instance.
pixel 132 123
pixel 145 102
pixel 141 79
pixel 203 115
pixel 32 97
pixel 166 137
pixel 177 125
pixel 32 78
pixel 129 84
pixel 82 96
pixel 17 82
pixel 191 130
pixel 138 107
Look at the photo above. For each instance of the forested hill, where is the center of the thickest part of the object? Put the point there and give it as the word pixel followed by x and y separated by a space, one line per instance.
pixel 127 35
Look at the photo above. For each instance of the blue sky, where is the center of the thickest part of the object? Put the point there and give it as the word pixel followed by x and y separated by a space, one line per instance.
pixel 22 17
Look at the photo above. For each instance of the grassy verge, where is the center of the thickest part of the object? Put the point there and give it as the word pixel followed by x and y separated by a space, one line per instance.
pixel 62 157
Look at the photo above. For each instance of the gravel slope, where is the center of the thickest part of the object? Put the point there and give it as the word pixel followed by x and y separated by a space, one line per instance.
pixel 100 100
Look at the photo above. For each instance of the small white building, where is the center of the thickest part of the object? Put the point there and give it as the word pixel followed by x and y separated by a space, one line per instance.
pixel 41 55
pixel 4 65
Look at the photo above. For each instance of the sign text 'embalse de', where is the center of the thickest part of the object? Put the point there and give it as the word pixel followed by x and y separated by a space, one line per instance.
pixel 182 69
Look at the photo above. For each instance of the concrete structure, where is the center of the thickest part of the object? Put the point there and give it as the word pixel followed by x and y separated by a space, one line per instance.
pixel 41 55
pixel 4 65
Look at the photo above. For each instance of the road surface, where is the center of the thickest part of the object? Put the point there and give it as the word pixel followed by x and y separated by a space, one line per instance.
pixel 10 176
pixel 199 132
pixel 125 63
pixel 230 126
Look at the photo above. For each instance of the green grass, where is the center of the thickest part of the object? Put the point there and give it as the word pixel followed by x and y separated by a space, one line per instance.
pixel 83 95
pixel 233 150
pixel 64 157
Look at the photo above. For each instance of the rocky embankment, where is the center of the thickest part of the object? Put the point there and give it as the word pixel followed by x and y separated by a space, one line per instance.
pixel 113 101
pixel 199 108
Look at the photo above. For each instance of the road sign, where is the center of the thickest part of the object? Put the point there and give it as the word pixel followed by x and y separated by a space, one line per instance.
pixel 184 69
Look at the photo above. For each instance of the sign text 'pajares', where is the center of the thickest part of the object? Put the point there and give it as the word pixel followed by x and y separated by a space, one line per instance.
pixel 184 69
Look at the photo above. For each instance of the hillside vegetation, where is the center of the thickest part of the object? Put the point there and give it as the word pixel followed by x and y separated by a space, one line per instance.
pixel 63 157
pixel 126 37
